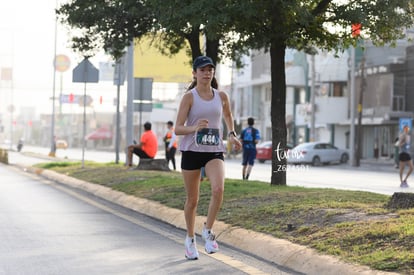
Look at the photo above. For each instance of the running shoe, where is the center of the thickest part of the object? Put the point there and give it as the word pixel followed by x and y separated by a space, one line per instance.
pixel 404 184
pixel 191 252
pixel 211 245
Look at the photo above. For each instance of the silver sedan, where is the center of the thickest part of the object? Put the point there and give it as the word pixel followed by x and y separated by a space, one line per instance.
pixel 317 153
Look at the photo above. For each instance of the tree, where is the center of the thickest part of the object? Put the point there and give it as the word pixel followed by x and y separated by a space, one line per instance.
pixel 275 25
pixel 113 24
pixel 272 25
pixel 110 25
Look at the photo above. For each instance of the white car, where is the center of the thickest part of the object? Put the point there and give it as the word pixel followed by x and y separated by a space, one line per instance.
pixel 317 153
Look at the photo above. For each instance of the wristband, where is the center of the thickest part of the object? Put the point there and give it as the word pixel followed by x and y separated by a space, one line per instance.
pixel 232 133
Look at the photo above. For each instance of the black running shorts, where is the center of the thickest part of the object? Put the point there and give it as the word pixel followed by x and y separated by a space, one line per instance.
pixel 404 156
pixel 195 160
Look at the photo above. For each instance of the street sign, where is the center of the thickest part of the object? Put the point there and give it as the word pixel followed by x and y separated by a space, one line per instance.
pixel 406 122
pixel 75 99
pixel 142 107
pixel 70 98
pixel 85 72
pixel 61 63
pixel 142 94
pixel 143 88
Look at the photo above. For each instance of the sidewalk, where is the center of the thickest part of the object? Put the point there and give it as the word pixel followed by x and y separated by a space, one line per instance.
pixel 282 252
pixel 381 164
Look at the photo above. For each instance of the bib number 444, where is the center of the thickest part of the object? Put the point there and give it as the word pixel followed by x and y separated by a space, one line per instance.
pixel 208 136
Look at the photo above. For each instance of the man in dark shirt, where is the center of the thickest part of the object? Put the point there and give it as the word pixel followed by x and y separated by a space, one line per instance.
pixel 249 137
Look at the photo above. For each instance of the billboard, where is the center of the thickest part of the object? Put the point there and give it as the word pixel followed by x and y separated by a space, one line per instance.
pixel 150 63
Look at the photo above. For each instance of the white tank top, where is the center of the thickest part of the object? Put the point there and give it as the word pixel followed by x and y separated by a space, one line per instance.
pixel 212 138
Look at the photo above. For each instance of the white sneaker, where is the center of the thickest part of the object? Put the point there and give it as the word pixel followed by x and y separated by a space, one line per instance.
pixel 404 184
pixel 211 245
pixel 191 252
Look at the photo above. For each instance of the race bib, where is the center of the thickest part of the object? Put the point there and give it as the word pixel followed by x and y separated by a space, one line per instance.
pixel 208 136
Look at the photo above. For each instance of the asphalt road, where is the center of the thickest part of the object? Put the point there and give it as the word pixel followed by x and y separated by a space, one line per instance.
pixel 48 228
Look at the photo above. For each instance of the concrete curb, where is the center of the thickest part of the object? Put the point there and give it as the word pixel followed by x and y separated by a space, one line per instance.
pixel 279 251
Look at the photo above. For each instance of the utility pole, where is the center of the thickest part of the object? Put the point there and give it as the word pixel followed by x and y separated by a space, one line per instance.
pixel 352 108
pixel 129 127
pixel 52 152
pixel 356 30
pixel 312 100
pixel 359 130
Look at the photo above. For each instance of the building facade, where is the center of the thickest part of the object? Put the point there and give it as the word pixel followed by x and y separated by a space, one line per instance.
pixel 384 76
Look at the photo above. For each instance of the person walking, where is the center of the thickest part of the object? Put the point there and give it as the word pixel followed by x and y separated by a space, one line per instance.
pixel 199 119
pixel 148 146
pixel 249 137
pixel 396 152
pixel 404 156
pixel 170 140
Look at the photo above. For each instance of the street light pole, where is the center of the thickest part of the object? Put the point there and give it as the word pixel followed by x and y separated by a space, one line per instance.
pixel 118 117
pixel 312 128
pixel 358 154
pixel 352 108
pixel 130 95
pixel 52 126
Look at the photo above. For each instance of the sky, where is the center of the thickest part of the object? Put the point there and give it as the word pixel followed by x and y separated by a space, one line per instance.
pixel 27 32
pixel 30 40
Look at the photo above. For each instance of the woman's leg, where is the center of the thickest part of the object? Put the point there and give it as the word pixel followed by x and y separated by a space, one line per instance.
pixel 410 169
pixel 192 188
pixel 130 152
pixel 215 172
pixel 402 166
pixel 172 157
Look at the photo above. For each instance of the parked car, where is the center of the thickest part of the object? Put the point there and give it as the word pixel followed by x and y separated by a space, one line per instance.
pixel 264 150
pixel 317 153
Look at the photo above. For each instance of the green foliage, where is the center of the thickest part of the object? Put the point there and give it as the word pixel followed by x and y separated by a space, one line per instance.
pixel 233 27
pixel 110 25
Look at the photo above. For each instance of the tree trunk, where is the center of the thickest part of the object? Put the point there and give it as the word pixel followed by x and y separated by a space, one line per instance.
pixel 194 41
pixel 278 113
pixel 401 200
pixel 212 49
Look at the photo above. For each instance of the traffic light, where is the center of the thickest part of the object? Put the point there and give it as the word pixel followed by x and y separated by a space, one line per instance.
pixel 100 100
pixel 71 98
pixel 356 29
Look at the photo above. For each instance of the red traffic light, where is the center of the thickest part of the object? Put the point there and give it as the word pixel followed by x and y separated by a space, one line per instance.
pixel 356 29
pixel 71 98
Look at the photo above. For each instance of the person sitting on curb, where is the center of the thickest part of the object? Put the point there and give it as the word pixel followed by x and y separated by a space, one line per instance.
pixel 147 148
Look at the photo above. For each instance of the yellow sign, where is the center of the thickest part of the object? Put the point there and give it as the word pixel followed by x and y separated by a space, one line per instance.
pixel 150 63
pixel 62 63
